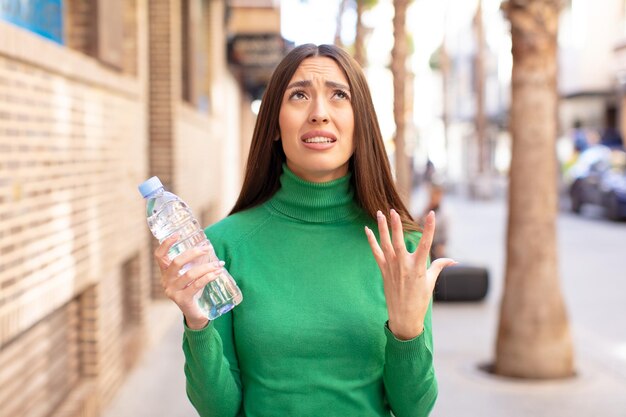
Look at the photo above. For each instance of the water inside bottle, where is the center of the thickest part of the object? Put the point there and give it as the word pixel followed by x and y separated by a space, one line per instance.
pixel 214 299
pixel 219 296
pixel 171 215
pixel 167 219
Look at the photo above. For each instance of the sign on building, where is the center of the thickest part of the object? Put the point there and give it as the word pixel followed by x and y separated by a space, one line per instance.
pixel 254 57
pixel 44 17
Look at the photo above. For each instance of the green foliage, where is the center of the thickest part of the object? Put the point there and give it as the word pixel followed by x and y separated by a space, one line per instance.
pixel 367 4
pixel 434 62
pixel 410 44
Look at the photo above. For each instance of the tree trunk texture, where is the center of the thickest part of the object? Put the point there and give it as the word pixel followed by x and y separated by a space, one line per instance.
pixel 339 27
pixel 359 38
pixel 479 80
pixel 444 60
pixel 534 338
pixel 399 54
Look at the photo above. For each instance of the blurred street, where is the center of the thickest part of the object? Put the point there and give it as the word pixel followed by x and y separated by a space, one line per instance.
pixel 592 275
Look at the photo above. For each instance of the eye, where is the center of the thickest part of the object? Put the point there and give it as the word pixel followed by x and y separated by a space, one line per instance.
pixel 297 94
pixel 341 94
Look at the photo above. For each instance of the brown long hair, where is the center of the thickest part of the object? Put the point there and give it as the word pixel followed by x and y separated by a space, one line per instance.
pixel 374 188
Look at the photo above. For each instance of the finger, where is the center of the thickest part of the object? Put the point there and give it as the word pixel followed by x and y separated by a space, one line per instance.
pixel 379 256
pixel 195 254
pixel 397 235
pixel 423 248
pixel 210 250
pixel 438 265
pixel 200 283
pixel 196 272
pixel 160 253
pixel 385 240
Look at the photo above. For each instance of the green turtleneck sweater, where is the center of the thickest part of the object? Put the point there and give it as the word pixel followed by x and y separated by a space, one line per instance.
pixel 309 338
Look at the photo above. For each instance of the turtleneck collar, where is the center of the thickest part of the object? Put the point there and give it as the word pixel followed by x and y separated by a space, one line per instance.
pixel 313 202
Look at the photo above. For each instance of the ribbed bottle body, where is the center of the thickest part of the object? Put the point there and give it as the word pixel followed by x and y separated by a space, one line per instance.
pixel 168 214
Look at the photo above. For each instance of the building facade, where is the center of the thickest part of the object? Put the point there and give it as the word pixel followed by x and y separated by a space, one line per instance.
pixel 619 67
pixel 588 86
pixel 95 97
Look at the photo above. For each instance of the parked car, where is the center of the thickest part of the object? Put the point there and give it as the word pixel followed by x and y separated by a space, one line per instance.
pixel 599 177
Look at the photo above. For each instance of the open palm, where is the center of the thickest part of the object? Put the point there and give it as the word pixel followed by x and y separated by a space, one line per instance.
pixel 407 281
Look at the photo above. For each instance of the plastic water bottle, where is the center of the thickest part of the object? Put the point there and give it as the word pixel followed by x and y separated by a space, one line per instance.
pixel 168 214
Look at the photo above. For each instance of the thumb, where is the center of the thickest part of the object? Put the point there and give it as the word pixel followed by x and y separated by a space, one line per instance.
pixel 437 266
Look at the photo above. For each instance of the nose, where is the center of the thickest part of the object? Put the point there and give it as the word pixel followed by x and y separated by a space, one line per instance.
pixel 319 114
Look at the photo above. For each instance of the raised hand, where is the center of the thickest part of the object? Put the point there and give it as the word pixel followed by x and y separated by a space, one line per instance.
pixel 408 284
pixel 181 288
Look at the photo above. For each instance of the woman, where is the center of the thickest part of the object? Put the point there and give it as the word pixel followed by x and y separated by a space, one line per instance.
pixel 319 333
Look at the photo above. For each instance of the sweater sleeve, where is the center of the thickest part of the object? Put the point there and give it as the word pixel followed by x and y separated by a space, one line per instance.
pixel 211 364
pixel 212 370
pixel 409 374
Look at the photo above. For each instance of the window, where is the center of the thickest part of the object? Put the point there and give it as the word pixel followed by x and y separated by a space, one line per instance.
pixel 103 29
pixel 131 308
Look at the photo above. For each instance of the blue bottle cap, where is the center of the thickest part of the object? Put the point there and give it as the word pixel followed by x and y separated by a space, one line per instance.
pixel 149 186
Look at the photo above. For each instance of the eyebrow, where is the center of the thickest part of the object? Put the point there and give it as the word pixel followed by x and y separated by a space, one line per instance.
pixel 308 83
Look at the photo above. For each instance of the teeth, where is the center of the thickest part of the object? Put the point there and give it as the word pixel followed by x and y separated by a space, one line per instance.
pixel 318 139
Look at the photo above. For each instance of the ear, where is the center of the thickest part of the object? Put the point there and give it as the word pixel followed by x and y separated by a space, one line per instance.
pixel 277 138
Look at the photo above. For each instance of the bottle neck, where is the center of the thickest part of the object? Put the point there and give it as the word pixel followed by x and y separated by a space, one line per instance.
pixel 155 193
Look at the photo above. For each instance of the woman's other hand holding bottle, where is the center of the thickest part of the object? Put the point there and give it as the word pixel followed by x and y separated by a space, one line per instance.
pixel 183 289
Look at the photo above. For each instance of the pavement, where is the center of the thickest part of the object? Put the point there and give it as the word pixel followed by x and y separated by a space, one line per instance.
pixel 156 385
pixel 592 258
pixel 593 276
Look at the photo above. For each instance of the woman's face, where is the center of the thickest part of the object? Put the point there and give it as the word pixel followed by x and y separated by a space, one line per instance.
pixel 316 121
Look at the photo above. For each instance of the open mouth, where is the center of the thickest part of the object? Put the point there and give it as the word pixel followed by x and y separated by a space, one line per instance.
pixel 318 136
pixel 319 139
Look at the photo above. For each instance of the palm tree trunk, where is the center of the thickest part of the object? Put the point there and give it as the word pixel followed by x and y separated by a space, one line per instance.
pixel 359 38
pixel 444 60
pixel 479 79
pixel 534 338
pixel 339 27
pixel 398 68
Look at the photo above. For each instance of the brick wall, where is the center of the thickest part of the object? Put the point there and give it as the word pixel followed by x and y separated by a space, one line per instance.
pixel 132 39
pixel 72 151
pixel 195 154
pixel 161 90
pixel 79 19
pixel 76 138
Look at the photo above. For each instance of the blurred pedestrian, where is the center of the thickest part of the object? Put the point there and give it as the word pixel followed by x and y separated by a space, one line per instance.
pixel 571 146
pixel 332 322
pixel 579 137
pixel 429 171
